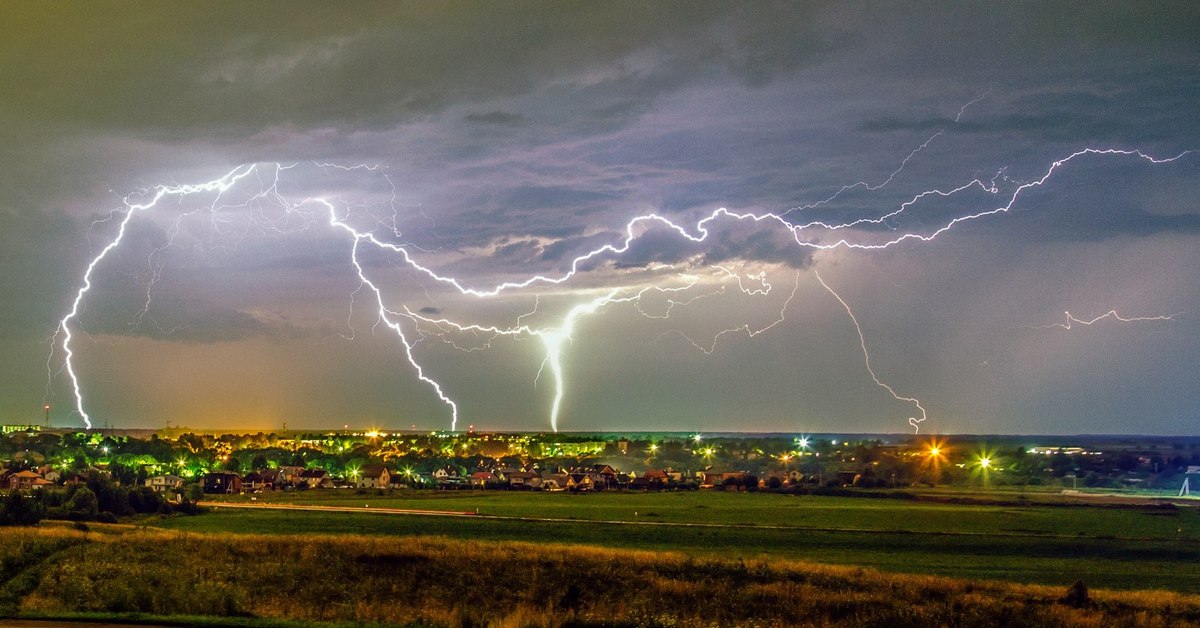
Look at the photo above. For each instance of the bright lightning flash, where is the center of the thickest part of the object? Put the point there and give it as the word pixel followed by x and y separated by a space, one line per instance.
pixel 330 212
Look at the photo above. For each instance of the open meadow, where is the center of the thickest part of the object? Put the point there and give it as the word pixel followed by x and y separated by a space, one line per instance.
pixel 1109 547
pixel 123 572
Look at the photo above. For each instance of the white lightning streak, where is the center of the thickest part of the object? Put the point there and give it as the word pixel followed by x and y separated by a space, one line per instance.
pixel 64 325
pixel 633 229
pixel 862 340
pixel 1111 314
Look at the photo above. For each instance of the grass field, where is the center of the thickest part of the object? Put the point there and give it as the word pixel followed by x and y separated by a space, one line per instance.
pixel 118 570
pixel 766 509
pixel 1118 548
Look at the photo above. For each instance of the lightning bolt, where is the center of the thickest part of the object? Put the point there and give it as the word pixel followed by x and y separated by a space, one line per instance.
pixel 64 325
pixel 1110 315
pixel 862 341
pixel 553 339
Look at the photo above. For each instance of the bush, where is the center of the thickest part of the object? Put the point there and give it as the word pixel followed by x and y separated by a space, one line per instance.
pixel 83 505
pixel 106 517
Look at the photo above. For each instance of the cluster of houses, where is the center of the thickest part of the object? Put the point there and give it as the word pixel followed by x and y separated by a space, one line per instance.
pixel 596 477
pixel 28 479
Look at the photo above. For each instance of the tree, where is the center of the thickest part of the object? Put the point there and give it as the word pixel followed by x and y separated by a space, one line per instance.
pixel 83 505
pixel 20 510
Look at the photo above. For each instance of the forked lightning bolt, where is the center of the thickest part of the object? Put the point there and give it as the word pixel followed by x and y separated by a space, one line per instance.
pixel 309 212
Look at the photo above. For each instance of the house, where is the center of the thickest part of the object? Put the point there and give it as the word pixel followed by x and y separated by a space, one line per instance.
pixel 273 479
pixel 557 482
pixel 722 478
pixel 448 476
pixel 26 480
pixel 374 476
pixel 656 478
pixel 164 483
pixel 483 479
pixel 444 474
pixel 315 478
pixel 291 475
pixel 604 476
pixel 583 482
pixel 49 473
pixel 253 481
pixel 524 479
pixel 222 482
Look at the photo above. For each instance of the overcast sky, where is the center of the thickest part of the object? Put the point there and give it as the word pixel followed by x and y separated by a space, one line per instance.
pixel 505 140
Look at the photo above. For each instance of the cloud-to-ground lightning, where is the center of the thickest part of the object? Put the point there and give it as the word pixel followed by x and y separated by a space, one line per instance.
pixel 64 325
pixel 330 213
pixel 862 341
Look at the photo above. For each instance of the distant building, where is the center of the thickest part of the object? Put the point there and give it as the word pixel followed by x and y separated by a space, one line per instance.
pixel 219 482
pixel 164 483
pixel 374 476
pixel 26 480
pixel 316 478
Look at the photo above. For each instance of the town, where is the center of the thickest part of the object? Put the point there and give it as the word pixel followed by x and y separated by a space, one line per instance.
pixel 183 466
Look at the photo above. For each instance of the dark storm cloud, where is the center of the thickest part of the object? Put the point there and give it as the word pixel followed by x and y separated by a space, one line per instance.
pixel 499 118
pixel 362 65
pixel 39 248
pixel 1136 108
pixel 516 137
pixel 541 197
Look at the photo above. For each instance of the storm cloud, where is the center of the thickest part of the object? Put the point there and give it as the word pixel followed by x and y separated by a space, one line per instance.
pixel 498 142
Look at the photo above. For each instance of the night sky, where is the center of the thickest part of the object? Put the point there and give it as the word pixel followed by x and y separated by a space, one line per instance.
pixel 502 141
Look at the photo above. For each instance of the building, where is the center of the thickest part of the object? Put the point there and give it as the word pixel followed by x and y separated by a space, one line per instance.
pixel 164 483
pixel 483 479
pixel 374 476
pixel 26 480
pixel 222 482
pixel 316 478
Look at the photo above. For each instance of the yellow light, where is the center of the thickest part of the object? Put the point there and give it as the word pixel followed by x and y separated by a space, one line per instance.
pixel 985 462
pixel 935 451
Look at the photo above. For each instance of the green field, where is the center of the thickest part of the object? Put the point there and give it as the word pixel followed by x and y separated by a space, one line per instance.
pixel 1119 548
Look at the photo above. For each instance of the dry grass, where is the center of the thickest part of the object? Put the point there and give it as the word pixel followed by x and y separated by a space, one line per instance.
pixel 438 581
